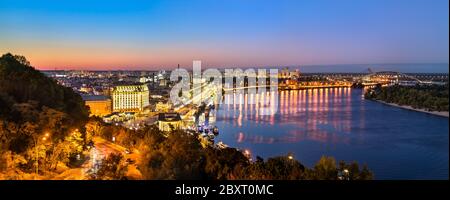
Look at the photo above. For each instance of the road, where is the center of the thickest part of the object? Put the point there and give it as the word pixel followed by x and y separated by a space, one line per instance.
pixel 101 149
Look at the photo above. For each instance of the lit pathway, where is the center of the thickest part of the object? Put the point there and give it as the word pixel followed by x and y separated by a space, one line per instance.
pixel 102 148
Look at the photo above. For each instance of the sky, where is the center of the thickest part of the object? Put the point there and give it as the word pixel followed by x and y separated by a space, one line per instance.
pixel 131 34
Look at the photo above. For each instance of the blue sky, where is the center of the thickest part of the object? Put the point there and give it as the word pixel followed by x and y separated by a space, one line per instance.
pixel 154 34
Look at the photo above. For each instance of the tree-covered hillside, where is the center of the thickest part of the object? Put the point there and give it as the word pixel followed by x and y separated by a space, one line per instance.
pixel 21 83
pixel 41 122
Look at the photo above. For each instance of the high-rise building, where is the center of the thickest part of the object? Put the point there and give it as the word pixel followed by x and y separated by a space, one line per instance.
pixel 130 98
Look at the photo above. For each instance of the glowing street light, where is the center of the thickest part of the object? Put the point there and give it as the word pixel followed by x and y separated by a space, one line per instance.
pixel 248 154
pixel 346 174
pixel 36 143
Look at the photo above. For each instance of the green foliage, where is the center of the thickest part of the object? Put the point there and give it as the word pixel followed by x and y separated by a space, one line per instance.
pixel 351 171
pixel 33 106
pixel 113 168
pixel 75 142
pixel 11 161
pixel 21 83
pixel 430 97
pixel 325 169
pixel 221 164
pixel 179 155
pixel 277 168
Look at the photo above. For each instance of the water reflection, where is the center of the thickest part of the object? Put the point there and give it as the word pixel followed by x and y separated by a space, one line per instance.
pixel 337 122
pixel 323 111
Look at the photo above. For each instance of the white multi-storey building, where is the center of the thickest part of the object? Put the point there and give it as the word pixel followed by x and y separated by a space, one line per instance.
pixel 130 98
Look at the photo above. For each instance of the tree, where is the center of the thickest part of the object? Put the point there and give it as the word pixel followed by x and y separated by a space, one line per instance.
pixel 59 153
pixel 75 142
pixel 113 167
pixel 284 168
pixel 177 157
pixel 22 83
pixel 94 127
pixel 11 161
pixel 31 105
pixel 22 60
pixel 325 169
pixel 220 164
pixel 428 97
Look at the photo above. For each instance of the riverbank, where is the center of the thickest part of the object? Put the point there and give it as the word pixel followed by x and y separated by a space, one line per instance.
pixel 442 113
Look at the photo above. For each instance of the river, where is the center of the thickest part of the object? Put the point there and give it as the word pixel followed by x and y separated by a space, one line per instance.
pixel 395 143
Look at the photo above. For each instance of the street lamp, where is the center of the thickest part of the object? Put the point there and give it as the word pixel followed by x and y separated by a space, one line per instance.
pixel 248 154
pixel 346 174
pixel 36 142
pixel 37 156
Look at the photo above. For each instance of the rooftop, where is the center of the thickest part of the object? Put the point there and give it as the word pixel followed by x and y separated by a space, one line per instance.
pixel 94 97
pixel 169 117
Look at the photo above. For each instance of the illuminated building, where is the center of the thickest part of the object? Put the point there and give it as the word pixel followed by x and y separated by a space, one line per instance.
pixel 169 121
pixel 130 98
pixel 294 74
pixel 163 82
pixel 162 107
pixel 86 89
pixel 144 80
pixel 286 74
pixel 98 105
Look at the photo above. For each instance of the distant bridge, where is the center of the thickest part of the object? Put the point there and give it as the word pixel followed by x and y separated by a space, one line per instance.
pixel 390 77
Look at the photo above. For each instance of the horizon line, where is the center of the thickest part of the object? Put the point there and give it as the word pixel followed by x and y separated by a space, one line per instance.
pixel 255 66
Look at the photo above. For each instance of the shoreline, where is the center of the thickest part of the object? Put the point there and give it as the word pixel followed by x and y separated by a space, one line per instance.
pixel 436 113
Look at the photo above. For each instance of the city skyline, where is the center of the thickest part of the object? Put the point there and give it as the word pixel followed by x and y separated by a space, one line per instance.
pixel 144 36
